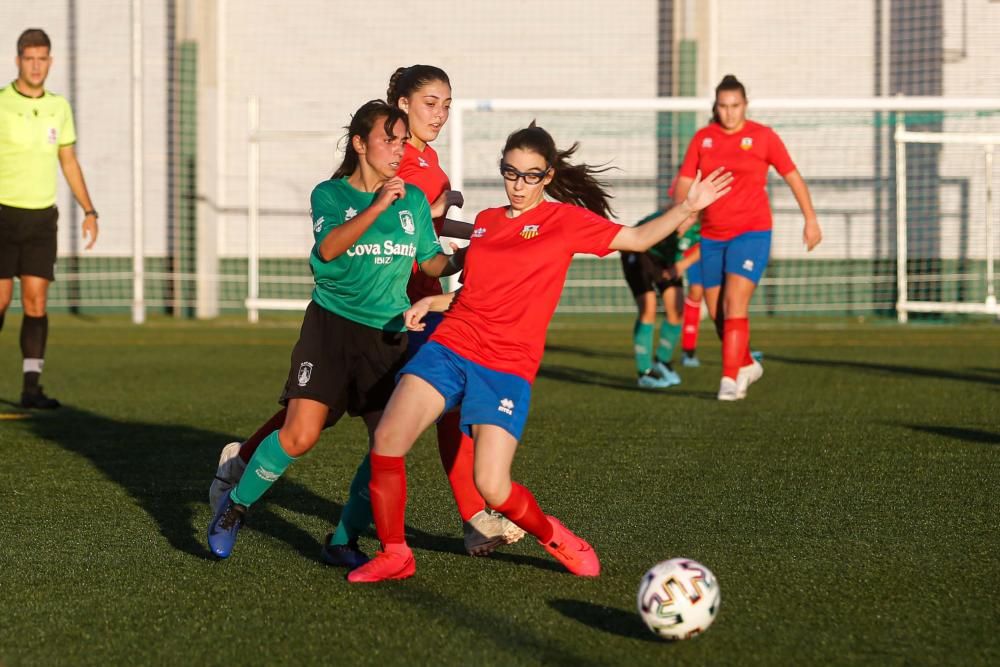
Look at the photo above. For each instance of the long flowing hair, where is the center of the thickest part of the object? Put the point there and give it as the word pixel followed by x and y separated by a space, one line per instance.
pixel 571 183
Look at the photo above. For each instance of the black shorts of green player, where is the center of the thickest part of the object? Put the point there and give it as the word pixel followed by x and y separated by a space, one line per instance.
pixel 646 272
pixel 28 242
pixel 345 365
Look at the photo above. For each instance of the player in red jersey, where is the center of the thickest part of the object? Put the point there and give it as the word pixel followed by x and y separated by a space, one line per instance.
pixel 423 92
pixel 486 352
pixel 736 231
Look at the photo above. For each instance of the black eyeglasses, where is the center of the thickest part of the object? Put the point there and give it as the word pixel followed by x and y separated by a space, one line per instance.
pixel 530 177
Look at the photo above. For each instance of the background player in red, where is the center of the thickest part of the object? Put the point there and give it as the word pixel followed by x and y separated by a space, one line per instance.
pixel 736 231
pixel 485 354
pixel 423 92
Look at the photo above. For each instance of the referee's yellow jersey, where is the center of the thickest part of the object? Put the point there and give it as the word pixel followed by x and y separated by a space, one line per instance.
pixel 32 129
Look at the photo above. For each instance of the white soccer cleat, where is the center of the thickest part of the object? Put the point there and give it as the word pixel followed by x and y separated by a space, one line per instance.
pixel 748 375
pixel 487 530
pixel 228 474
pixel 729 390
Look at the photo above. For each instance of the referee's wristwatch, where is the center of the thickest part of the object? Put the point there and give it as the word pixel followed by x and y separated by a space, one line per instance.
pixel 91 212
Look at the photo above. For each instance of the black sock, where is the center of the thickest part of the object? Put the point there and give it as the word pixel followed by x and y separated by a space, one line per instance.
pixel 34 334
pixel 2 315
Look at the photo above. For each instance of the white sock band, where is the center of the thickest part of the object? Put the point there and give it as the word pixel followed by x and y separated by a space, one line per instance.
pixel 33 365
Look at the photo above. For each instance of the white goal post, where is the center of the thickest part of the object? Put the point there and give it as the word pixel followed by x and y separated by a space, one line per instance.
pixel 904 305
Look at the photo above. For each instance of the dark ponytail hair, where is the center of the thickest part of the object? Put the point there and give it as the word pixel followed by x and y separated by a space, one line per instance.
pixel 362 123
pixel 407 80
pixel 729 82
pixel 572 183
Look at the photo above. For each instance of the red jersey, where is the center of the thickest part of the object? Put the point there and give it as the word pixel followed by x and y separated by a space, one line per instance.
pixel 422 169
pixel 749 154
pixel 513 278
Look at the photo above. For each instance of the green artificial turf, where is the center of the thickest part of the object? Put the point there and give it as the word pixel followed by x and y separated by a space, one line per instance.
pixel 848 507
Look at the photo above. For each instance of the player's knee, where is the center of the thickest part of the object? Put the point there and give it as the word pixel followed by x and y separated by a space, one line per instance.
pixel 298 440
pixel 34 305
pixel 493 487
pixel 389 440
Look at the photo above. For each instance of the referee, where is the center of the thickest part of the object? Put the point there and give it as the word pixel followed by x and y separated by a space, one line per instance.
pixel 36 130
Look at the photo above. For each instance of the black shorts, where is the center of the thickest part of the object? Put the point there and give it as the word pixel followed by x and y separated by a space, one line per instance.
pixel 28 242
pixel 348 366
pixel 644 273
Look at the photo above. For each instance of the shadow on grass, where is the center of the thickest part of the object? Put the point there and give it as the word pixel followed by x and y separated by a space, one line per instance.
pixel 956 433
pixel 588 352
pixel 167 468
pixel 626 624
pixel 588 377
pixel 915 371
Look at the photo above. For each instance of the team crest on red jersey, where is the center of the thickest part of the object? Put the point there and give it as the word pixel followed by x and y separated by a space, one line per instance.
pixel 706 142
pixel 529 231
pixel 746 143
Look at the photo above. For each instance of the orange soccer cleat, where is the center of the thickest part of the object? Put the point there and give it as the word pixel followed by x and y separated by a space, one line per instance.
pixel 574 553
pixel 395 561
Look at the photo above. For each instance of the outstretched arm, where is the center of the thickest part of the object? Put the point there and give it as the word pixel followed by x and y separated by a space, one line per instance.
pixel 701 194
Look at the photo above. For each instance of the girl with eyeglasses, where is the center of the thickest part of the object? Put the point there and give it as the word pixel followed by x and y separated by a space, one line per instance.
pixel 736 232
pixel 486 352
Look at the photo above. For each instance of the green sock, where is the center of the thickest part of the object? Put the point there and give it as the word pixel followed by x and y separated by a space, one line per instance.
pixel 642 342
pixel 267 464
pixel 357 514
pixel 669 335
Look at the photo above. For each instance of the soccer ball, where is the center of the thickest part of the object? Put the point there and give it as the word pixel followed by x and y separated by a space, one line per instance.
pixel 678 598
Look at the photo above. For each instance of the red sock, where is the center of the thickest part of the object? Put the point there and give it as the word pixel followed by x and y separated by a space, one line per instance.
pixel 388 494
pixel 692 319
pixel 735 339
pixel 522 508
pixel 458 456
pixel 253 442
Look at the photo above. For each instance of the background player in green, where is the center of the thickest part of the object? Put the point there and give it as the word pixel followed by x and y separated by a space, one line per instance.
pixel 36 132
pixel 369 228
pixel 650 273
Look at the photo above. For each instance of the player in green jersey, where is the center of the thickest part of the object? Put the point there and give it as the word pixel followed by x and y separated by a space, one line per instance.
pixel 648 274
pixel 369 227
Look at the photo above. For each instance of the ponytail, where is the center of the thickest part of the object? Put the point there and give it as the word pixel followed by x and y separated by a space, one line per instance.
pixel 571 183
pixel 407 80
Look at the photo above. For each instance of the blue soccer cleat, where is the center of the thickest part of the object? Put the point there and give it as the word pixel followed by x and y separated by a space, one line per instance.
pixel 667 372
pixel 690 361
pixel 343 555
pixel 756 355
pixel 650 380
pixel 225 527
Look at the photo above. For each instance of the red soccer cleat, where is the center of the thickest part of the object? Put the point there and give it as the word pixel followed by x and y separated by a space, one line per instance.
pixel 395 561
pixel 574 553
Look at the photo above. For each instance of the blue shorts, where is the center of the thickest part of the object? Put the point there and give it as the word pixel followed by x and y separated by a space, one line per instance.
pixel 486 396
pixel 417 339
pixel 693 274
pixel 745 255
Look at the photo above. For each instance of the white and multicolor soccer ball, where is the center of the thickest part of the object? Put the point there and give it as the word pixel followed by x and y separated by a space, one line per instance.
pixel 678 598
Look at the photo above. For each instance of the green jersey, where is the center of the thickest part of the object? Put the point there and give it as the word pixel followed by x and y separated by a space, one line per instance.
pixel 671 249
pixel 665 250
pixel 32 130
pixel 367 283
pixel 689 239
